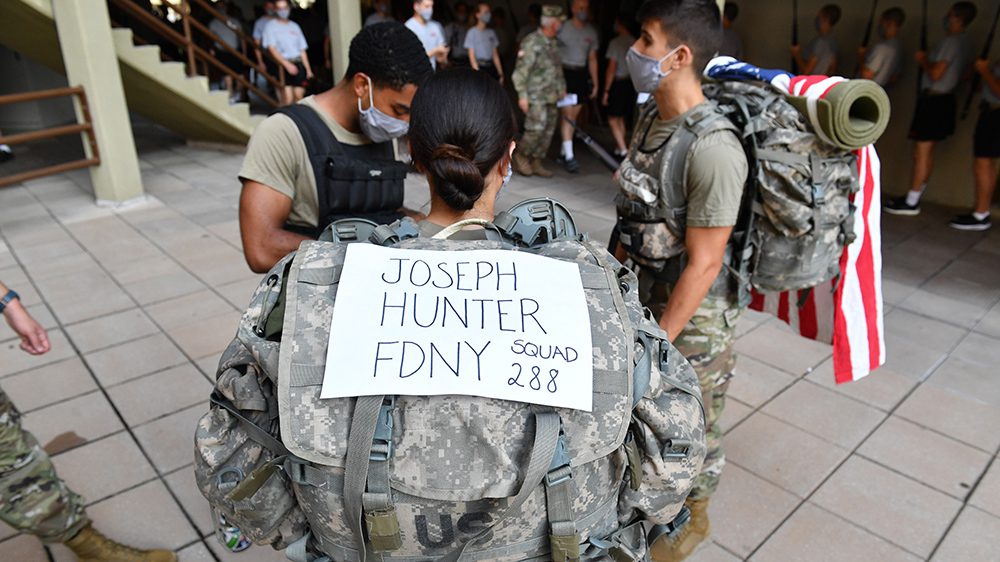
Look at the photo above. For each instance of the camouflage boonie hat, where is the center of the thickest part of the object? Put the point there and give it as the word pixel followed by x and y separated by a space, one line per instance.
pixel 553 11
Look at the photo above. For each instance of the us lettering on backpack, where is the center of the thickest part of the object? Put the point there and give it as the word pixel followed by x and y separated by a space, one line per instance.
pixel 489 323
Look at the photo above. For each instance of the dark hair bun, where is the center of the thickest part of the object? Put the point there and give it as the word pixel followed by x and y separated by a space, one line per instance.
pixel 460 183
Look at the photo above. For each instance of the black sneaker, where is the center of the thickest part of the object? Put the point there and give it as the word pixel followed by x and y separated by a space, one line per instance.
pixel 571 165
pixel 899 206
pixel 6 155
pixel 969 222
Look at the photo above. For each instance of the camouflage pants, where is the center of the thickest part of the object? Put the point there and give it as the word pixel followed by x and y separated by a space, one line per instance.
pixel 32 498
pixel 707 343
pixel 539 126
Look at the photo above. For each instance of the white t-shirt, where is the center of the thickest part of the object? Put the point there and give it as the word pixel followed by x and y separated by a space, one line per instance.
pixel 285 36
pixel 226 31
pixel 431 35
pixel 482 42
pixel 258 27
pixel 884 59
pixel 576 44
pixel 824 48
pixel 617 49
pixel 958 51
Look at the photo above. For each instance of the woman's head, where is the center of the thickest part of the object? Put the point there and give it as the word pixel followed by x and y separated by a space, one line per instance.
pixel 461 128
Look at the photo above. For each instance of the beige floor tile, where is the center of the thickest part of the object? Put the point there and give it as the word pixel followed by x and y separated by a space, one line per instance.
pixel 970 379
pixel 712 553
pixel 89 416
pixel 66 265
pixel 86 305
pixel 49 384
pixel 225 267
pixel 164 287
pixel 734 412
pixel 816 535
pixel 47 252
pixel 973 538
pixel 24 548
pixel 910 359
pixel 188 310
pixel 990 324
pixel 238 293
pixel 943 308
pixel 782 454
pixel 746 509
pixel 166 392
pixel 755 383
pixel 783 349
pixel 110 330
pixel 197 552
pixel 15 278
pixel 168 440
pixel 103 468
pixel 931 458
pixel 133 359
pixel 14 360
pixel 923 331
pixel 898 509
pixel 836 418
pixel 987 494
pixel 980 349
pixel 182 483
pixel 6 532
pixel 969 420
pixel 883 388
pixel 129 516
pixel 207 336
pixel 209 365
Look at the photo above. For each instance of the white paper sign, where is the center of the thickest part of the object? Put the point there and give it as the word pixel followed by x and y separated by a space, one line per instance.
pixel 491 323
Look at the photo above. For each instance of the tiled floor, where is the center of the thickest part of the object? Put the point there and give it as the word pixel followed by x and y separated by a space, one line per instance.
pixel 140 301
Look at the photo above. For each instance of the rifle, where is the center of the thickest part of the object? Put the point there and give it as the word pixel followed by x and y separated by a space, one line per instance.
pixel 985 53
pixel 597 149
pixel 795 32
pixel 868 35
pixel 923 45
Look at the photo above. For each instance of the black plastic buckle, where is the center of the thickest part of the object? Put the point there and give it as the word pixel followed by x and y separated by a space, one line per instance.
pixel 676 449
pixel 382 442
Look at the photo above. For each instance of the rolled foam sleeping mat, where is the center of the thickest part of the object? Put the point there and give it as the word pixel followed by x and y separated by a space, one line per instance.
pixel 853 114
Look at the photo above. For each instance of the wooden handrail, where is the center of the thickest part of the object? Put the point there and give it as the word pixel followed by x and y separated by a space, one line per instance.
pixel 86 127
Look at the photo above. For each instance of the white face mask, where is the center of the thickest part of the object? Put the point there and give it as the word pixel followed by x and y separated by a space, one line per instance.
pixel 375 124
pixel 427 14
pixel 646 72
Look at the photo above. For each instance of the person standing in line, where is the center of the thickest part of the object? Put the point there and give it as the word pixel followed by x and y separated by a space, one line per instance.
pixel 430 32
pixel 578 48
pixel 481 45
pixel 934 116
pixel 227 32
pixel 986 150
pixel 820 55
pixel 534 16
pixel 732 45
pixel 456 32
pixel 539 83
pixel 883 62
pixel 266 17
pixel 381 14
pixel 619 95
pixel 283 38
pixel 33 498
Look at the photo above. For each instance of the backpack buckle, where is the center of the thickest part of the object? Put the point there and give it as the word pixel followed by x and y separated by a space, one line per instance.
pixel 559 469
pixel 676 449
pixel 382 442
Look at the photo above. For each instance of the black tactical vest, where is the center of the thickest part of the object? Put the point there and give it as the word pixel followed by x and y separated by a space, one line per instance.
pixel 359 181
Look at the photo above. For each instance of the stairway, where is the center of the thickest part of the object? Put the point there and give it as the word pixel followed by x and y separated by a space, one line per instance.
pixel 159 91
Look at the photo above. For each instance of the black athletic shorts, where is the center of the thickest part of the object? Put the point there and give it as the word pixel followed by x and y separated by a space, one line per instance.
pixel 621 98
pixel 488 68
pixel 986 143
pixel 298 80
pixel 934 118
pixel 578 82
pixel 231 61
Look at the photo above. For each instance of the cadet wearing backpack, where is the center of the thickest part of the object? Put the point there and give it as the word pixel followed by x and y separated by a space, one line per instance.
pixel 690 293
pixel 452 476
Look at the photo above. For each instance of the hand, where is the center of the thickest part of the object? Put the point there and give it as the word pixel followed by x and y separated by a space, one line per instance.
pixel 593 93
pixel 523 104
pixel 291 68
pixel 982 66
pixel 309 75
pixel 796 50
pixel 604 99
pixel 501 79
pixel 921 57
pixel 34 340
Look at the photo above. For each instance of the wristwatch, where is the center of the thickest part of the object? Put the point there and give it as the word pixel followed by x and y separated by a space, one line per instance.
pixel 11 295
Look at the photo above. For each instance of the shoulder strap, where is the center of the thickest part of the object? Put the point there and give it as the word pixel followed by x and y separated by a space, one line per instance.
pixel 320 143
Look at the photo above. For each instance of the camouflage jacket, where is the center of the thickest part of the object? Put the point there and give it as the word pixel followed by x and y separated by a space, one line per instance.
pixel 538 74
pixel 633 458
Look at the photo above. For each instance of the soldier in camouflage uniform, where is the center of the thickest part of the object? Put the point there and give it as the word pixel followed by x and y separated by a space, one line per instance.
pixel 32 497
pixel 675 224
pixel 539 82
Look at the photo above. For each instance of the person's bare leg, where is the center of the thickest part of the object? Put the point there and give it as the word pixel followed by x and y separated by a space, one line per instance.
pixel 617 125
pixel 288 98
pixel 985 172
pixel 923 165
pixel 227 81
pixel 299 93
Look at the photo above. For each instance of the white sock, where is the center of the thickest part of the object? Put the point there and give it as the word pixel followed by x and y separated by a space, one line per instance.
pixel 981 216
pixel 5 148
pixel 913 197
pixel 568 149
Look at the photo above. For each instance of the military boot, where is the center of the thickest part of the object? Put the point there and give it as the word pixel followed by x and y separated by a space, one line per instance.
pixel 91 546
pixel 688 538
pixel 539 169
pixel 522 165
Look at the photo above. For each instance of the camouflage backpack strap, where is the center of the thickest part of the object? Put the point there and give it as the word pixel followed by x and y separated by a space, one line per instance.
pixel 537 221
pixel 348 230
pixel 391 234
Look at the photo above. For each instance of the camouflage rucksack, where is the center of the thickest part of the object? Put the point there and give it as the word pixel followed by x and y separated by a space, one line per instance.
pixel 450 477
pixel 796 215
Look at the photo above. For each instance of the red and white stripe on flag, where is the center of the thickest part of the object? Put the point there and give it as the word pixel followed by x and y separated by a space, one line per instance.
pixel 847 312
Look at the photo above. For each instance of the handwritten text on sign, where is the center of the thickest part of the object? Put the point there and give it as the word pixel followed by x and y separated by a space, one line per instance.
pixel 492 323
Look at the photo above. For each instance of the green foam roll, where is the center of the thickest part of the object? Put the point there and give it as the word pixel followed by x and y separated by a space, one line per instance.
pixel 853 114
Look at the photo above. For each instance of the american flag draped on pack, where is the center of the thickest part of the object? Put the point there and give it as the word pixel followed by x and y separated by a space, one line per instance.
pixel 847 312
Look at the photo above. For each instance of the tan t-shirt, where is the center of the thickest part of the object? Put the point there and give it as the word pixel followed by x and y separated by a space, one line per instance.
pixel 276 157
pixel 716 173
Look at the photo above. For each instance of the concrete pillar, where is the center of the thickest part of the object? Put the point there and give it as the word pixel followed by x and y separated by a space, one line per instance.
pixel 345 23
pixel 89 56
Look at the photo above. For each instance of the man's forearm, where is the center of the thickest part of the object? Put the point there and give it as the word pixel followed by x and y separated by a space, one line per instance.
pixel 687 296
pixel 276 246
pixel 305 62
